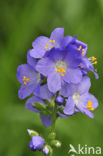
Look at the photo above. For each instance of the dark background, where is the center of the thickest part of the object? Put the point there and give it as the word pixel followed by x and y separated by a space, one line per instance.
pixel 21 21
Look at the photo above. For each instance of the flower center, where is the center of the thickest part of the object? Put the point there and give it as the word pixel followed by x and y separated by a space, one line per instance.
pixel 50 44
pixel 25 80
pixel 81 49
pixel 89 107
pixel 60 67
pixel 76 98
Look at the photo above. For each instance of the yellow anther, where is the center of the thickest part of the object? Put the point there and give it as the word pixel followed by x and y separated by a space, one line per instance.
pixel 50 41
pixel 58 70
pixel 24 78
pixel 46 47
pixel 89 107
pixel 25 83
pixel 47 44
pixel 27 79
pixel 89 103
pixel 51 46
pixel 53 41
pixel 63 70
pixel 93 58
pixel 62 75
pixel 82 53
pixel 80 47
pixel 95 62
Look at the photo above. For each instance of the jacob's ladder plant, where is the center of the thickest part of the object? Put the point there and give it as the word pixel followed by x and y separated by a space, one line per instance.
pixel 56 77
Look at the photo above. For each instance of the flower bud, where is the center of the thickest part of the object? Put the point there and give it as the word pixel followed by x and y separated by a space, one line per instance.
pixel 59 99
pixel 56 143
pixel 36 143
pixel 32 132
pixel 47 149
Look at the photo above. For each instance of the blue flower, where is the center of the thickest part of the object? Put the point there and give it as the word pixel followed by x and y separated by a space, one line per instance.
pixel 59 66
pixel 82 47
pixel 28 77
pixel 36 143
pixel 43 44
pixel 81 99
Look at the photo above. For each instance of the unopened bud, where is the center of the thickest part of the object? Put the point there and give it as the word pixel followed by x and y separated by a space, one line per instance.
pixel 32 132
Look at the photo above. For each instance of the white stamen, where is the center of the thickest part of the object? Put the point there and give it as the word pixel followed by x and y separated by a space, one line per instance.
pixel 76 98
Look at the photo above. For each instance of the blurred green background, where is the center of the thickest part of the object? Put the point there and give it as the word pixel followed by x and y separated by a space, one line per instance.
pixel 21 21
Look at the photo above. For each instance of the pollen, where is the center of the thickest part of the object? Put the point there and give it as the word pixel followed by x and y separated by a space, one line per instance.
pixel 47 44
pixel 53 41
pixel 63 70
pixel 46 47
pixel 25 83
pixel 93 58
pixel 25 80
pixel 50 41
pixel 51 46
pixel 58 70
pixel 89 107
pixel 82 53
pixel 62 75
pixel 80 47
pixel 95 62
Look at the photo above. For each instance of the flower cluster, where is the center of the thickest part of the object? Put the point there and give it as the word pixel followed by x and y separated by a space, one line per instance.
pixel 56 77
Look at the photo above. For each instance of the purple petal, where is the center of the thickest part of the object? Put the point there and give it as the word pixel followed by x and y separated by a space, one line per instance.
pixel 73 76
pixel 31 101
pixel 88 113
pixel 57 35
pixel 38 142
pixel 39 47
pixel 69 107
pixel 26 70
pixel 34 78
pixel 68 89
pixel 66 40
pixel 85 111
pixel 43 92
pixel 54 82
pixel 72 56
pixel 30 60
pixel 94 101
pixel 84 85
pixel 84 46
pixel 26 90
pixel 46 120
pixel 45 66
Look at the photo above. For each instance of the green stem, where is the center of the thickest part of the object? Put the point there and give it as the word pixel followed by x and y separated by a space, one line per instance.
pixel 54 117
